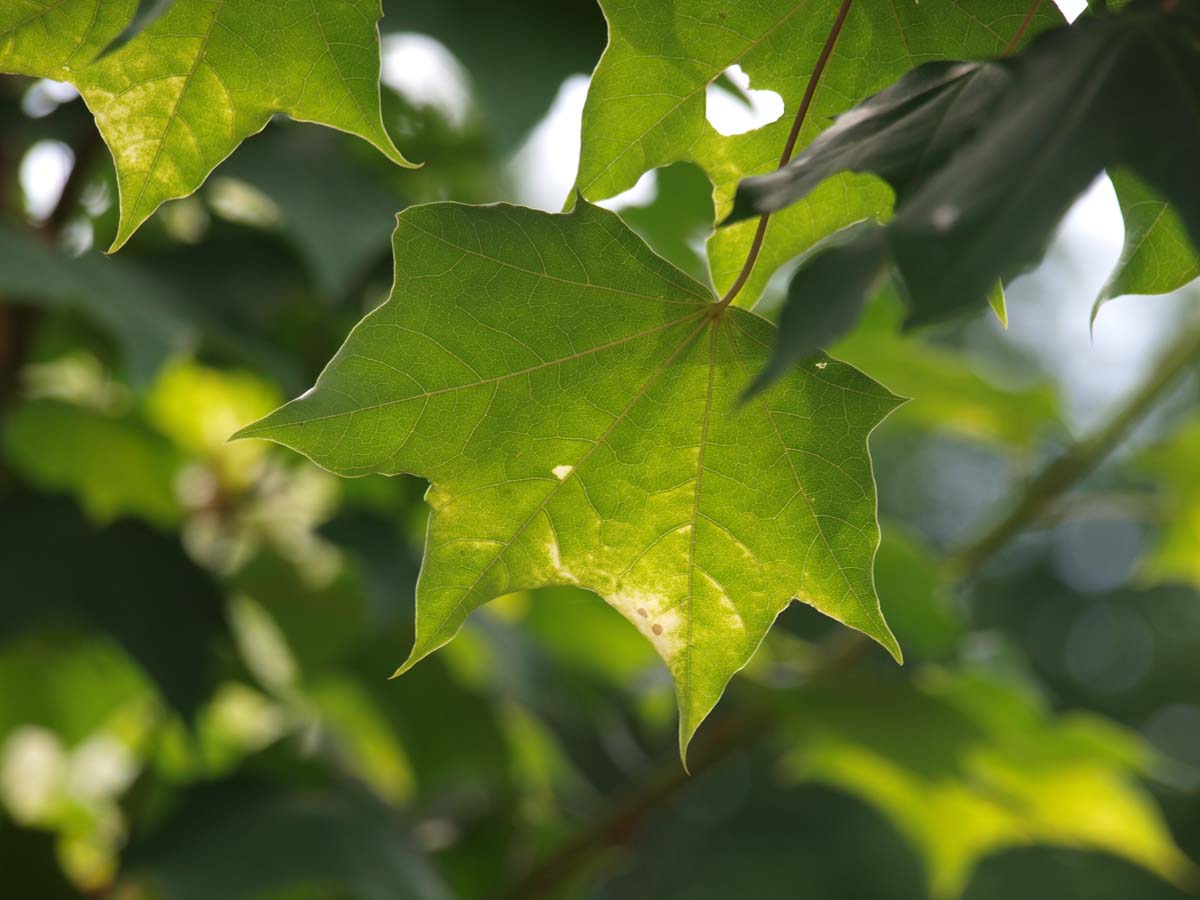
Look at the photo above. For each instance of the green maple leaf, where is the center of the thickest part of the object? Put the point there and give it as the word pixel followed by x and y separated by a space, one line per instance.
pixel 574 401
pixel 1157 257
pixel 178 98
pixel 1173 463
pixel 646 103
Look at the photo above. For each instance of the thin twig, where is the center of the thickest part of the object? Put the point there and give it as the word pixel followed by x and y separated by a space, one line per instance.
pixel 621 821
pixel 1023 27
pixel 788 148
pixel 1081 459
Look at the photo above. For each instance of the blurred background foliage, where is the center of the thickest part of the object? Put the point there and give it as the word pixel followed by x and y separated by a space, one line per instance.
pixel 195 636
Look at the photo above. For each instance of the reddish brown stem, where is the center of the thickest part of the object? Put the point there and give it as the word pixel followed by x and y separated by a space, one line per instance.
pixel 1023 27
pixel 789 147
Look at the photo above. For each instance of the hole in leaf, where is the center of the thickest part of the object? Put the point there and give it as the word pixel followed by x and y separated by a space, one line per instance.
pixel 732 107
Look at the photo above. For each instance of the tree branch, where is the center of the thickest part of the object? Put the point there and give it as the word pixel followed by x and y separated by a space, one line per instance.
pixel 1081 459
pixel 1023 27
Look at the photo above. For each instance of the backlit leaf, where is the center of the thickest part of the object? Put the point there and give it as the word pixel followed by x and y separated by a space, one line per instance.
pixel 646 104
pixel 1173 464
pixel 979 753
pixel 574 401
pixel 128 470
pixel 1157 257
pixel 179 97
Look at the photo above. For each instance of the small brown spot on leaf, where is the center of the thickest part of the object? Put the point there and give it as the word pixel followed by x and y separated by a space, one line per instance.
pixel 656 628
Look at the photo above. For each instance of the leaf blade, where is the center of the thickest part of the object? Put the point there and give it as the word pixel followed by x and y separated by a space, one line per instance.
pixel 580 425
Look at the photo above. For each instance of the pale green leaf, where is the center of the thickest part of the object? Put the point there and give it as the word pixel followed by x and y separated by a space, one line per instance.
pixel 179 97
pixel 1172 463
pixel 947 390
pixel 573 399
pixel 646 104
pixel 54 38
pixel 965 765
pixel 127 469
pixel 1157 257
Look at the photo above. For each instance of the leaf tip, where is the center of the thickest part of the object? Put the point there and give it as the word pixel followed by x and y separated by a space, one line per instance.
pixel 686 732
pixel 1097 305
pixel 402 668
pixel 415 655
pixel 123 235
pixel 253 430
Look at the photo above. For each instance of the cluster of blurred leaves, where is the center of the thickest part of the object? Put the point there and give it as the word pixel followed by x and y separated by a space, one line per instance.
pixel 195 636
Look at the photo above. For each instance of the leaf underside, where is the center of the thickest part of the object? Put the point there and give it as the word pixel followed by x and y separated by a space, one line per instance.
pixel 178 98
pixel 574 401
pixel 986 158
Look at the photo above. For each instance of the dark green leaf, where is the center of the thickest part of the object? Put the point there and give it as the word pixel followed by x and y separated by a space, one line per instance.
pixel 127 580
pixel 143 313
pixel 903 134
pixel 825 297
pixel 986 159
pixel 247 838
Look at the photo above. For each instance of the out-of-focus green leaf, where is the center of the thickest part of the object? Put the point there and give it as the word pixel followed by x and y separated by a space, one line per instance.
pixel 30 865
pixel 596 439
pixel 126 580
pixel 581 631
pixel 917 597
pixel 65 681
pixel 965 765
pixel 903 134
pixel 1157 257
pixel 184 93
pixel 826 297
pixel 676 222
pixel 646 104
pixel 554 40
pixel 999 303
pixel 248 838
pixel 321 622
pixel 127 469
pixel 946 393
pixel 338 230
pixel 1173 464
pixel 141 312
pixel 198 407
pixel 351 719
